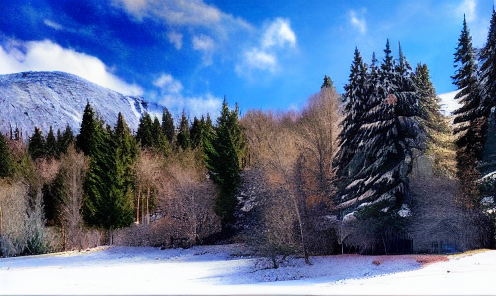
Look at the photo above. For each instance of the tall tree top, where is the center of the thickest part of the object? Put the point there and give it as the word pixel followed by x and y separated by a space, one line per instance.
pixel 387 63
pixel 327 82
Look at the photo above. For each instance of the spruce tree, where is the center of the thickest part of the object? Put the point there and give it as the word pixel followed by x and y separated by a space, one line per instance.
pixel 85 141
pixel 36 144
pixel 51 144
pixel 387 136
pixel 64 140
pixel 196 132
pixel 354 103
pixel 144 134
pixel 488 94
pixel 168 126
pixel 183 139
pixel 469 119
pixel 223 164
pixel 5 158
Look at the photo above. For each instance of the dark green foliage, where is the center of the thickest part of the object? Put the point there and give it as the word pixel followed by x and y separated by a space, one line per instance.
pixel 472 124
pixel 168 126
pixel 105 203
pixel 126 154
pixel 6 168
pixel 488 94
pixel 53 194
pixel 144 134
pixel 36 144
pixel 183 139
pixel 223 163
pixel 354 98
pixel 86 141
pixel 51 144
pixel 64 140
pixel 327 82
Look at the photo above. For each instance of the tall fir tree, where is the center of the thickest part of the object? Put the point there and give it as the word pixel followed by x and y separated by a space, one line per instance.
pixel 126 154
pixel 183 139
pixel 354 100
pixel 168 126
pixel 85 141
pixel 5 158
pixel 488 94
pixel 51 144
pixel 470 121
pixel 144 133
pixel 196 132
pixel 65 139
pixel 223 164
pixel 36 144
pixel 390 129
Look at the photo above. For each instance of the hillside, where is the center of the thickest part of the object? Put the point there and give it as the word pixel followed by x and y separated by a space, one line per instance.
pixel 41 99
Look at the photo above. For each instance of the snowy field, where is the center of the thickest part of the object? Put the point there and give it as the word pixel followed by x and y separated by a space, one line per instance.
pixel 226 270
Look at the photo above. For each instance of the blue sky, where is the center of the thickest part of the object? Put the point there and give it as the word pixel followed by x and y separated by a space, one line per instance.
pixel 262 54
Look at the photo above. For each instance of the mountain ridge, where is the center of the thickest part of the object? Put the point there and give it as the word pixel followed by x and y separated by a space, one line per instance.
pixel 57 99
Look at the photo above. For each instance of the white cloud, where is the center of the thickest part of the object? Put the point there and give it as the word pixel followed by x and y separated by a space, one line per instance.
pixel 278 33
pixel 52 25
pixel 168 84
pixel 48 56
pixel 275 39
pixel 179 12
pixel 171 97
pixel 260 59
pixel 206 45
pixel 468 8
pixel 358 23
pixel 176 39
pixel 193 106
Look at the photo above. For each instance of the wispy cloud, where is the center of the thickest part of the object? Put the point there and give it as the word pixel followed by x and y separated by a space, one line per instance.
pixel 275 39
pixel 176 39
pixel 204 44
pixel 171 96
pixel 468 7
pixel 45 55
pixel 357 22
pixel 52 25
pixel 168 84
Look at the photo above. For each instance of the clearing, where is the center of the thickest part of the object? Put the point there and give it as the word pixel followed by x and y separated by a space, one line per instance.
pixel 226 270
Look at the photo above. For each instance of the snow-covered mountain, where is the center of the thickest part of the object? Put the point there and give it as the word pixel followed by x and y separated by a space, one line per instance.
pixel 41 99
pixel 448 103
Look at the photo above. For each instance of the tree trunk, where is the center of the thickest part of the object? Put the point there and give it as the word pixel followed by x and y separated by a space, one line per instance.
pixel 138 207
pixel 147 209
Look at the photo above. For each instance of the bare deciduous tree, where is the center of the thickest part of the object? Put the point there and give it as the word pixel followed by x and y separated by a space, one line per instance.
pixel 74 166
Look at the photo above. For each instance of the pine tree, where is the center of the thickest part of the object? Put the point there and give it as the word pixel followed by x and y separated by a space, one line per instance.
pixel 64 140
pixel 36 144
pixel 126 154
pixel 488 94
pixel 196 132
pixel 469 118
pixel 51 144
pixel 387 136
pixel 183 139
pixel 85 141
pixel 168 126
pixel 5 158
pixel 354 99
pixel 144 134
pixel 223 164
pixel 438 141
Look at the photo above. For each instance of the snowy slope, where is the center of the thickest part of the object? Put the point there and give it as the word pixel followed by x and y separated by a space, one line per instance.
pixel 42 99
pixel 226 270
pixel 448 103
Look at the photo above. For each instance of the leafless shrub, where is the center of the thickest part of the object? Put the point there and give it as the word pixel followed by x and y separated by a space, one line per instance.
pixel 184 200
pixel 74 166
pixel 440 223
pixel 22 225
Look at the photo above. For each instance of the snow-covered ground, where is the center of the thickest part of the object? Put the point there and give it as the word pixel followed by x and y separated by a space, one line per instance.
pixel 226 270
